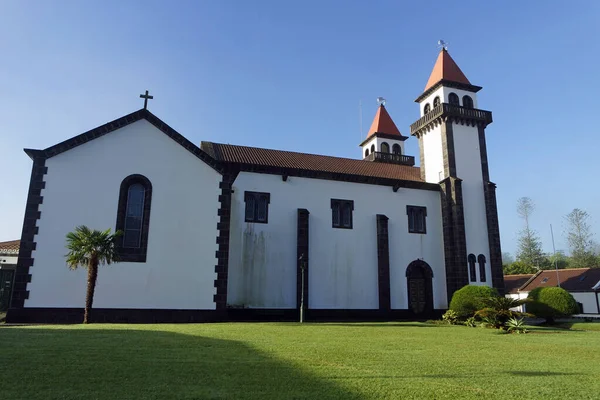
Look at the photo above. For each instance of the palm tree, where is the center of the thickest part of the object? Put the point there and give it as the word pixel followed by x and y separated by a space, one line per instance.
pixel 89 249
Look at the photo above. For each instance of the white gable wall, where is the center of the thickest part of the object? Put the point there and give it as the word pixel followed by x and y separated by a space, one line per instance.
pixel 82 188
pixel 343 262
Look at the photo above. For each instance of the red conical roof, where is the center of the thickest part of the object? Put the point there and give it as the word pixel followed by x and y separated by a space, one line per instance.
pixel 445 68
pixel 383 123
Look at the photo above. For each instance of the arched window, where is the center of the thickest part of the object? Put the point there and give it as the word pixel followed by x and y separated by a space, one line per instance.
pixel 481 261
pixel 436 101
pixel 467 101
pixel 366 153
pixel 426 109
pixel 472 273
pixel 133 218
pixel 396 149
pixel 385 148
pixel 372 148
pixel 453 99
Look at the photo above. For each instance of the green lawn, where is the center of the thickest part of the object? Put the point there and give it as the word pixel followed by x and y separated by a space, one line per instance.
pixel 286 360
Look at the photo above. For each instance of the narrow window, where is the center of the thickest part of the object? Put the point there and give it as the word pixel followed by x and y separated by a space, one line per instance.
pixel 416 219
pixel 436 101
pixel 467 101
pixel 257 207
pixel 385 148
pixel 472 273
pixel 133 218
pixel 481 261
pixel 453 99
pixel 426 109
pixel 341 213
pixel 396 149
pixel 372 148
pixel 366 153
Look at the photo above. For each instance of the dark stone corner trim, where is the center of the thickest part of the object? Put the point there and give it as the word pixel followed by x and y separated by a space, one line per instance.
pixel 30 229
pixel 383 262
pixel 302 256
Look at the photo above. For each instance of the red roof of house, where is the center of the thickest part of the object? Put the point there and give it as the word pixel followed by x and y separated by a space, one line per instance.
pixel 572 279
pixel 382 123
pixel 445 68
pixel 512 283
pixel 314 163
pixel 12 246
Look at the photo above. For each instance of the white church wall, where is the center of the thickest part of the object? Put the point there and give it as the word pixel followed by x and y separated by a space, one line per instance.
pixel 8 260
pixel 468 168
pixel 460 93
pixel 429 99
pixel 434 159
pixel 377 141
pixel 82 188
pixel 343 262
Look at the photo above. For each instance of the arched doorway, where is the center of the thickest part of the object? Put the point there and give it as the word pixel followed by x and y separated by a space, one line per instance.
pixel 419 277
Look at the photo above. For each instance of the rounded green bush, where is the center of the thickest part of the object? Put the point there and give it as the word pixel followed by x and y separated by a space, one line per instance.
pixel 468 299
pixel 551 302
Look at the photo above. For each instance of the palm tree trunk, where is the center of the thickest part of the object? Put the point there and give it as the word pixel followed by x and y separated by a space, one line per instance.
pixel 91 288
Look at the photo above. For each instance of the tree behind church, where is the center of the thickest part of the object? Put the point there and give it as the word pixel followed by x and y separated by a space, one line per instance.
pixel 580 239
pixel 529 250
pixel 89 249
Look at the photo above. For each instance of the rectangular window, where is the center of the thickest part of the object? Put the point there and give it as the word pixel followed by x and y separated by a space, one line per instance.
pixel 257 207
pixel 341 213
pixel 416 219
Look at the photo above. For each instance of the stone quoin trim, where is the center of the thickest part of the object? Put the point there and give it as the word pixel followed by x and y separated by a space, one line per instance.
pixel 491 213
pixel 137 254
pixel 453 226
pixel 383 263
pixel 223 228
pixel 30 229
pixel 302 251
pixel 422 157
pixel 448 153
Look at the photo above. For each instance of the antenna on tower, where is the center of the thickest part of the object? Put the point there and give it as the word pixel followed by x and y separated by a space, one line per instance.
pixel 360 125
pixel 442 45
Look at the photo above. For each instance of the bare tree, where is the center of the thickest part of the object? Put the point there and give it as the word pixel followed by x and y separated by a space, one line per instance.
pixel 580 239
pixel 529 250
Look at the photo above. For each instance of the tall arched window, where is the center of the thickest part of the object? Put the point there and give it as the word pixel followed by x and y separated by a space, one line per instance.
pixel 426 109
pixel 481 261
pixel 396 149
pixel 366 153
pixel 133 218
pixel 436 101
pixel 472 273
pixel 372 148
pixel 467 101
pixel 385 148
pixel 453 99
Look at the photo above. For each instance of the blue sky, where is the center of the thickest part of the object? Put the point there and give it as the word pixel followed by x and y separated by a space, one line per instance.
pixel 290 75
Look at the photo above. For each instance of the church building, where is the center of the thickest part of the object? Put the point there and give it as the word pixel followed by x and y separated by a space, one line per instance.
pixel 220 232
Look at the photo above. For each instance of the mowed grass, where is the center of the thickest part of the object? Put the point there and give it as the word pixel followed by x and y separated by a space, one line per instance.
pixel 292 361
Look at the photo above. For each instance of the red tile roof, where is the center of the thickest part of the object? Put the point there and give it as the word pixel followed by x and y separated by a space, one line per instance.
pixel 512 283
pixel 255 156
pixel 10 247
pixel 382 123
pixel 445 68
pixel 574 279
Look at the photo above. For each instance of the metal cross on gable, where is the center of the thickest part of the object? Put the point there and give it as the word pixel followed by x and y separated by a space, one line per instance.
pixel 146 97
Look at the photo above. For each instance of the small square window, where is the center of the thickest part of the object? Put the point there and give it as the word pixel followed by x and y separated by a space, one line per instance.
pixel 416 219
pixel 341 213
pixel 257 207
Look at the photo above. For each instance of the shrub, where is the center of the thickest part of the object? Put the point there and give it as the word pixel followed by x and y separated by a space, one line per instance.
pixel 471 322
pixel 550 303
pixel 516 325
pixel 498 311
pixel 450 317
pixel 468 299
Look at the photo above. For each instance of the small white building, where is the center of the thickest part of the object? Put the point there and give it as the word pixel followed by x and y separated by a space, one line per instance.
pixel 9 253
pixel 582 283
pixel 225 232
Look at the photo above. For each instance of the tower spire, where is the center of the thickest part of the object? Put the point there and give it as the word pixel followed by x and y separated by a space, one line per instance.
pixel 446 69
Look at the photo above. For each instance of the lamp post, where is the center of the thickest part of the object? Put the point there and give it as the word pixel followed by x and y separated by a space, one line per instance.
pixel 302 270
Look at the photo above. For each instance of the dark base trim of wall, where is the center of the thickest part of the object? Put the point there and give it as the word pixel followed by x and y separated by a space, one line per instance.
pixel 124 315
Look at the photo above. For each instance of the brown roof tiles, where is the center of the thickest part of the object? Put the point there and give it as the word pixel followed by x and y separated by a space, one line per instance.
pixel 574 279
pixel 512 283
pixel 383 123
pixel 10 247
pixel 269 158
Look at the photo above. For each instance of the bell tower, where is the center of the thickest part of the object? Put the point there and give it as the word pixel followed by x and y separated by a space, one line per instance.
pixel 451 134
